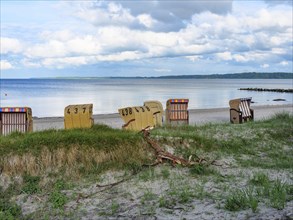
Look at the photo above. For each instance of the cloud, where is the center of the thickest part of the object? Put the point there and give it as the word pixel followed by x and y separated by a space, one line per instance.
pixel 194 58
pixel 28 63
pixel 130 45
pixel 154 15
pixel 146 20
pixel 230 37
pixel 224 56
pixel 265 66
pixel 105 13
pixel 54 46
pixel 5 65
pixel 174 12
pixel 284 63
pixel 162 70
pixel 10 45
pixel 197 31
pixel 63 62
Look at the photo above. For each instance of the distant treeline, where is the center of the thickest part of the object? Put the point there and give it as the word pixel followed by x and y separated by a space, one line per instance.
pixel 250 75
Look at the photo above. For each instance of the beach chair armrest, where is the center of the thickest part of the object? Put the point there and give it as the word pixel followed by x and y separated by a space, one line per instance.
pixel 125 125
pixel 234 109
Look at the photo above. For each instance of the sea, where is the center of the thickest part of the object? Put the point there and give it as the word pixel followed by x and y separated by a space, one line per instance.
pixel 49 97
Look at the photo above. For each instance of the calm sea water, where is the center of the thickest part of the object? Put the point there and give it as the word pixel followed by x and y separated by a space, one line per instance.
pixel 48 97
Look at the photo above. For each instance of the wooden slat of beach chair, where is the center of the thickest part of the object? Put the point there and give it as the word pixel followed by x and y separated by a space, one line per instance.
pixel 244 108
pixel 171 112
pixel 247 108
pixel 184 111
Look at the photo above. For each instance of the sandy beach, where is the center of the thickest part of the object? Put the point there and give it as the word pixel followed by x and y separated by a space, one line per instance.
pixel 196 116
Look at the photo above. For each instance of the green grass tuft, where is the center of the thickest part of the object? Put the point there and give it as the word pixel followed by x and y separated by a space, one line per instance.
pixel 8 209
pixel 31 184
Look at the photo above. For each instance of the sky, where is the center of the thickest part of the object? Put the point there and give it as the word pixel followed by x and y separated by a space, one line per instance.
pixel 144 37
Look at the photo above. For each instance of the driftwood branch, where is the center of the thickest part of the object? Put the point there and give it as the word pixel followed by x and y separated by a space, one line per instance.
pixel 160 156
pixel 163 155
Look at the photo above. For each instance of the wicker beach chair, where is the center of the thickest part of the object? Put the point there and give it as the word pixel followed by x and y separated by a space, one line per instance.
pixel 137 118
pixel 15 119
pixel 158 111
pixel 240 110
pixel 78 116
pixel 177 112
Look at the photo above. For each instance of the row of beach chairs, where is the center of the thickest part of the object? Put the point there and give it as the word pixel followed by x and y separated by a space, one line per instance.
pixel 150 114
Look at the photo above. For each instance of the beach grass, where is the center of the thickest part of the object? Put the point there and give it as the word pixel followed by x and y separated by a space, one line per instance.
pixel 74 152
pixel 51 163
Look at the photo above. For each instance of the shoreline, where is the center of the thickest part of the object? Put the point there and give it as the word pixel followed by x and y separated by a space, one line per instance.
pixel 196 116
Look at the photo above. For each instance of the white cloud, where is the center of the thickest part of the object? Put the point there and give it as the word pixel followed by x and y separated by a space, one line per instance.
pixel 241 58
pixel 146 20
pixel 224 56
pixel 162 70
pixel 194 58
pixel 265 66
pixel 110 14
pixel 67 61
pixel 83 45
pixel 158 15
pixel 10 45
pixel 63 62
pixel 123 56
pixel 284 63
pixel 120 31
pixel 172 14
pixel 5 65
pixel 28 63
pixel 53 48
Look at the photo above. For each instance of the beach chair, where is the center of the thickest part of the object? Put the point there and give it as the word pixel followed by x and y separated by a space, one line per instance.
pixel 240 110
pixel 78 116
pixel 137 118
pixel 176 111
pixel 158 111
pixel 15 119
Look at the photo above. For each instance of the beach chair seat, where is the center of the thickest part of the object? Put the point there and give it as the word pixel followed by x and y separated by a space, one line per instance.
pixel 177 111
pixel 137 118
pixel 240 110
pixel 15 119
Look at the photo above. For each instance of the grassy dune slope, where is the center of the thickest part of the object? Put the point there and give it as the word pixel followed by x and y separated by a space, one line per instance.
pixel 252 170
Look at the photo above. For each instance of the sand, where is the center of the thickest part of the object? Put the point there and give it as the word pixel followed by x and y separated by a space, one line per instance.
pixel 196 116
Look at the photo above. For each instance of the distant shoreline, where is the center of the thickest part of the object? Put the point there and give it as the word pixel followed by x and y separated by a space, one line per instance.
pixel 245 75
pixel 249 75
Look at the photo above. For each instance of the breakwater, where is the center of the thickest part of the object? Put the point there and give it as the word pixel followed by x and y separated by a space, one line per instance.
pixel 268 90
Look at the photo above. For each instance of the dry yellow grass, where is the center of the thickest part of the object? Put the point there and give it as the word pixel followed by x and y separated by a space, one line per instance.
pixel 69 160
